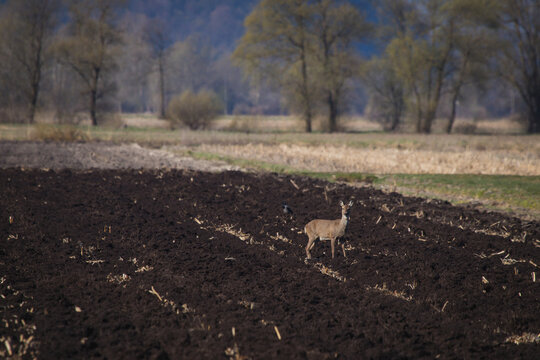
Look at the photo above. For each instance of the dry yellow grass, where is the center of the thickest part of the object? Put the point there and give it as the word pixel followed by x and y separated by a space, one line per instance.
pixel 330 158
pixel 357 123
pixel 145 122
pixel 378 153
pixel 55 133
pixel 257 123
pixel 287 123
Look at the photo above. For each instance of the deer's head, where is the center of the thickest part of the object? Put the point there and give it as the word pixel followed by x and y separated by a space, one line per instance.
pixel 346 208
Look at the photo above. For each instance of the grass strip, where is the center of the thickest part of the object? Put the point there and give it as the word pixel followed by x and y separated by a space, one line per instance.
pixel 509 193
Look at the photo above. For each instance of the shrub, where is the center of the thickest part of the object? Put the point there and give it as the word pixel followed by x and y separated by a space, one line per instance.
pixel 62 133
pixel 194 110
pixel 111 120
pixel 466 128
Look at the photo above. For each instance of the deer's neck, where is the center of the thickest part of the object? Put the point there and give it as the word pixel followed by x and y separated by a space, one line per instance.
pixel 344 221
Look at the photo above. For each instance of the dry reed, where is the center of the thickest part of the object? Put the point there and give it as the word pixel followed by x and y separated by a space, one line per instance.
pixel 331 158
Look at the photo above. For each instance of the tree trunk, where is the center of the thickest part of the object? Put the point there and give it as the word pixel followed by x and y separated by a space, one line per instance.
pixel 36 79
pixel 397 108
pixel 32 115
pixel 396 115
pixel 307 118
pixel 428 120
pixel 332 112
pixel 35 75
pixel 306 95
pixel 534 109
pixel 94 96
pixel 93 106
pixel 419 114
pixel 452 116
pixel 534 121
pixel 161 88
pixel 433 103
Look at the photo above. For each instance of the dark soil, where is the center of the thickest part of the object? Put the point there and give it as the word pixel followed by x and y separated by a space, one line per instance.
pixel 156 265
pixel 97 155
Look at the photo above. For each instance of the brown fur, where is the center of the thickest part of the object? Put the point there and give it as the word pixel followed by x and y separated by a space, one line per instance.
pixel 328 230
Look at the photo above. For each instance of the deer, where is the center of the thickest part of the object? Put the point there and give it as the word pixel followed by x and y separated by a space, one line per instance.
pixel 328 229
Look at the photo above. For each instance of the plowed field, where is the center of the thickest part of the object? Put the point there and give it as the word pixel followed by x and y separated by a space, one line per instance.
pixel 123 264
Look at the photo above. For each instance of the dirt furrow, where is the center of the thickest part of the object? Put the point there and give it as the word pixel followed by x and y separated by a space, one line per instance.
pixel 153 264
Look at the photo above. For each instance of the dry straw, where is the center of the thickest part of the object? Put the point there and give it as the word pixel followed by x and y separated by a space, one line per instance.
pixel 330 158
pixel 277 332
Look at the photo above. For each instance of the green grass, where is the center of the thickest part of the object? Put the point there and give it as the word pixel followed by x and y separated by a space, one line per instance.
pixel 519 195
pixel 503 192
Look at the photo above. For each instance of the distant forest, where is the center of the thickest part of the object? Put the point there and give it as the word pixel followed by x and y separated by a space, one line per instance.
pixel 392 61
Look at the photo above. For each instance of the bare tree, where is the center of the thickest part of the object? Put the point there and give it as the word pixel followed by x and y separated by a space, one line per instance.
pixel 27 29
pixel 386 91
pixel 421 58
pixel 89 49
pixel 137 64
pixel 276 48
pixel 519 59
pixel 157 37
pixel 474 45
pixel 190 65
pixel 337 26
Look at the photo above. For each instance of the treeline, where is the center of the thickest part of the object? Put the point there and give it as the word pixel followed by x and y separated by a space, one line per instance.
pixel 80 59
pixel 432 53
pixel 435 59
pixel 437 49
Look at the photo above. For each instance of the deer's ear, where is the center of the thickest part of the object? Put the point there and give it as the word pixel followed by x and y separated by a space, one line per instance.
pixel 350 203
pixel 341 203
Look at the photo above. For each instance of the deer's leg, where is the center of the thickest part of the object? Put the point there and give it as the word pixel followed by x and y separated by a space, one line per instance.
pixel 333 243
pixel 310 245
pixel 343 248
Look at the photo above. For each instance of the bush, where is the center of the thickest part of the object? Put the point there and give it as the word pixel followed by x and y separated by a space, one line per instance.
pixel 194 110
pixel 111 120
pixel 61 133
pixel 466 128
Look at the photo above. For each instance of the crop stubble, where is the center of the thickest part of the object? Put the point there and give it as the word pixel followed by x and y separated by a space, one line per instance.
pixel 150 264
pixel 328 158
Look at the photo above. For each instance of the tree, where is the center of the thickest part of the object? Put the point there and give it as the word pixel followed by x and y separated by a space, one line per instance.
pixel 276 46
pixel 190 65
pixel 386 91
pixel 421 58
pixel 228 82
pixel 158 39
pixel 337 27
pixel 137 62
pixel 89 49
pixel 439 46
pixel 518 62
pixel 27 29
pixel 306 47
pixel 474 45
pixel 395 17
